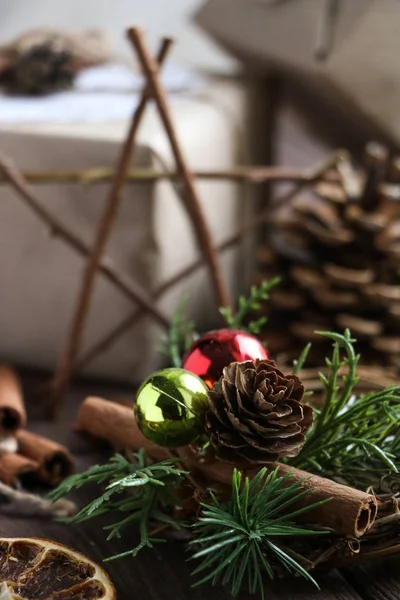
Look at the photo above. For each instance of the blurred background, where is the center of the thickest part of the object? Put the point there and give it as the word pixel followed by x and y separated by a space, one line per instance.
pixel 248 82
pixel 157 17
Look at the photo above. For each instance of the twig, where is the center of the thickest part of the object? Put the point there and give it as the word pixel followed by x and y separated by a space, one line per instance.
pixel 238 174
pixel 313 175
pixel 194 480
pixel 203 235
pixel 105 225
pixel 131 289
pixel 24 504
pixel 107 267
pixel 159 529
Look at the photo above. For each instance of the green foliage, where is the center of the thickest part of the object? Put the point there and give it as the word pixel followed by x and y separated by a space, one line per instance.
pixel 247 305
pixel 240 540
pixel 143 492
pixel 354 439
pixel 182 332
pixel 299 363
pixel 180 336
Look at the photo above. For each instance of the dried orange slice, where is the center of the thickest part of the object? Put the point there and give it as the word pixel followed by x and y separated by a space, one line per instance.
pixel 38 569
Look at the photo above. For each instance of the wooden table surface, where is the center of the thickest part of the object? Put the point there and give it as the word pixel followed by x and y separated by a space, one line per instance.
pixel 162 573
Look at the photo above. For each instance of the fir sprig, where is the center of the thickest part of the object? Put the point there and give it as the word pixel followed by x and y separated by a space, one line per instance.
pixel 354 437
pixel 144 492
pixel 239 541
pixel 247 305
pixel 179 337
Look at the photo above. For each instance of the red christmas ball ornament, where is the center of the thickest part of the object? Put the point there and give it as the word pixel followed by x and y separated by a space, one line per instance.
pixel 217 349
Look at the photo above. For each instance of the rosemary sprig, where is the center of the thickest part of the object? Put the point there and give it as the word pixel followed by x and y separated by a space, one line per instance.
pixel 240 541
pixel 180 336
pixel 143 492
pixel 246 305
pixel 354 437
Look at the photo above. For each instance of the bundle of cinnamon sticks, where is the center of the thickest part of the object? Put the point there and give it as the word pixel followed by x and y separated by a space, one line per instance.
pixel 23 453
pixel 350 514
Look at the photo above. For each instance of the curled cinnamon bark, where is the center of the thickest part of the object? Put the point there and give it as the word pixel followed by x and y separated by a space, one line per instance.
pixel 116 424
pixel 12 409
pixel 54 460
pixel 13 466
pixel 349 512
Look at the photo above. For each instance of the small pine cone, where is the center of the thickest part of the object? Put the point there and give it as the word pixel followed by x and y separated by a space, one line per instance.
pixel 256 414
pixel 42 69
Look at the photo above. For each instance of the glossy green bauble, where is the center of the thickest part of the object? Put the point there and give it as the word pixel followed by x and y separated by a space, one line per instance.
pixel 170 407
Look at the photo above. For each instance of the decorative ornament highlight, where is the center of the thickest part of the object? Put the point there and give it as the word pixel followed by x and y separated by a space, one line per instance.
pixel 170 407
pixel 256 414
pixel 215 350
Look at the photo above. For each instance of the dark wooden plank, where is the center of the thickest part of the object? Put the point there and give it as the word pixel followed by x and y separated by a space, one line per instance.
pixel 377 581
pixel 333 587
pixel 162 573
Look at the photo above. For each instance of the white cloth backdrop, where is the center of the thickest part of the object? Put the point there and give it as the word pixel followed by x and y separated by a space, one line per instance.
pixel 158 17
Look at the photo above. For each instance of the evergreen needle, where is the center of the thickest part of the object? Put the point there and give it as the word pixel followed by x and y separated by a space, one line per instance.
pixel 143 492
pixel 247 305
pixel 180 336
pixel 354 437
pixel 234 539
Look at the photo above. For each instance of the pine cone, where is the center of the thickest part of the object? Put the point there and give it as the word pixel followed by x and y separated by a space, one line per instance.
pixel 336 248
pixel 40 70
pixel 256 414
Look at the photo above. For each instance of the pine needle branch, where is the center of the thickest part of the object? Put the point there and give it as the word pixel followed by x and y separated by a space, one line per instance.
pixel 238 541
pixel 354 437
pixel 141 492
pixel 247 305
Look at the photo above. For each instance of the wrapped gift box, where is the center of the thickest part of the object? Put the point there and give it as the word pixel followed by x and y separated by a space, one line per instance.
pixel 151 241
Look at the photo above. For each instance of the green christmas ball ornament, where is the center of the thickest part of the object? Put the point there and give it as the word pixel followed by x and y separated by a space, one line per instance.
pixel 170 407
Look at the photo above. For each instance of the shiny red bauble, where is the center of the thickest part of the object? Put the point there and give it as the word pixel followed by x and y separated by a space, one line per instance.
pixel 217 349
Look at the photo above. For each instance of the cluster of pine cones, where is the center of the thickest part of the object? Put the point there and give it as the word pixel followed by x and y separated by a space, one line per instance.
pixel 336 248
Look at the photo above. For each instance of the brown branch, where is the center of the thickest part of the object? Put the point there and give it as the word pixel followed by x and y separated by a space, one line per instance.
pixel 198 220
pixel 238 174
pixel 104 229
pixel 106 266
pixel 314 175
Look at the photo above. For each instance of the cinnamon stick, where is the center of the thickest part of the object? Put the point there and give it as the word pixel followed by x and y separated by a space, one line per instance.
pixel 349 512
pixel 12 409
pixel 54 460
pixel 115 424
pixel 12 466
